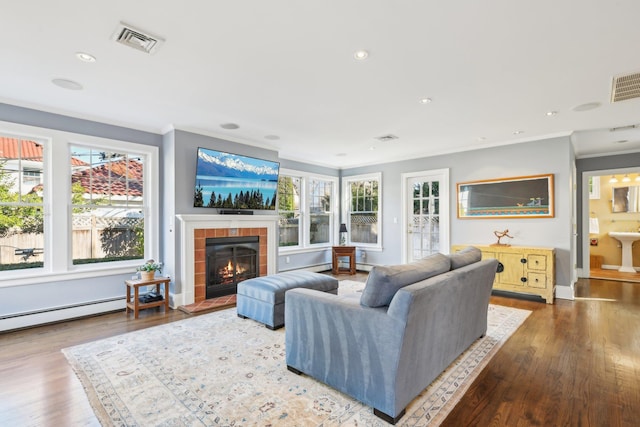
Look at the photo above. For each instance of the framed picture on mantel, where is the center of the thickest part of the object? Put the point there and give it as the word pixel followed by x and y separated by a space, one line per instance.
pixel 518 197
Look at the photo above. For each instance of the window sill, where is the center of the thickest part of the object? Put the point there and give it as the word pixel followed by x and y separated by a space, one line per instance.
pixel 298 250
pixel 42 276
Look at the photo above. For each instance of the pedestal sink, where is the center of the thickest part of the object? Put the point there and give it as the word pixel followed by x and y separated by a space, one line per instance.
pixel 627 239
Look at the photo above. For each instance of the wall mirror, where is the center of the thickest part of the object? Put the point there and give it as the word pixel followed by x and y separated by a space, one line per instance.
pixel 625 199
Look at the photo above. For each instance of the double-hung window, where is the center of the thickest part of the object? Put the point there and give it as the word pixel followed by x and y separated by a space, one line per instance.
pixel 71 205
pixel 22 213
pixel 107 204
pixel 307 210
pixel 361 209
pixel 289 195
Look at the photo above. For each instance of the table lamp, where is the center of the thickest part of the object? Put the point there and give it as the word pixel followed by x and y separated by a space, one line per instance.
pixel 343 238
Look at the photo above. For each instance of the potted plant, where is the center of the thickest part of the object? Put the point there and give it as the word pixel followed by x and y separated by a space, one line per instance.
pixel 149 268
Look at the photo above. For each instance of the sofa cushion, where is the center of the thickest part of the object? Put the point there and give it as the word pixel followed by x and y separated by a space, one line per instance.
pixel 467 256
pixel 384 281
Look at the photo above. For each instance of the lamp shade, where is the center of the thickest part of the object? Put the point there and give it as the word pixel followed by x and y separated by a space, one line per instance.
pixel 343 228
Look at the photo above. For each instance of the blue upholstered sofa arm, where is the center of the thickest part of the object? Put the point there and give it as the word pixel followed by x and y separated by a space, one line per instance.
pixel 352 348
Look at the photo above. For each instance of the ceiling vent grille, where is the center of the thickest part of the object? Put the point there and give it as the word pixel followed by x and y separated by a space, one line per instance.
pixel 625 87
pixel 387 138
pixel 136 39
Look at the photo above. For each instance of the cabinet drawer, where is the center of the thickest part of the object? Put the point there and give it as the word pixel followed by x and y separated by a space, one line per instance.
pixel 537 280
pixel 537 262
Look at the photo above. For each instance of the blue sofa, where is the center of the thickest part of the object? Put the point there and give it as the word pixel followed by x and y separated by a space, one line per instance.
pixel 386 345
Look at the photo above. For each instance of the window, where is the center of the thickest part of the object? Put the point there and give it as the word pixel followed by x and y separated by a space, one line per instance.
pixel 362 209
pixel 107 205
pixel 289 210
pixel 71 204
pixel 306 206
pixel 320 197
pixel 22 225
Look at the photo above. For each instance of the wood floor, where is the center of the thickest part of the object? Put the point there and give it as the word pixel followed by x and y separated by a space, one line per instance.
pixel 574 363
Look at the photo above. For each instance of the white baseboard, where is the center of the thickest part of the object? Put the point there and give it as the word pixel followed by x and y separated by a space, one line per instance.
pixel 614 267
pixel 51 316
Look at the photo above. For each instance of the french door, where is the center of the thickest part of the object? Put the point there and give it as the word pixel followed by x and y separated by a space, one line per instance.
pixel 426 213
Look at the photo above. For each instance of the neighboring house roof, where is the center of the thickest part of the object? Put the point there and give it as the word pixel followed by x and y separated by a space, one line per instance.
pixel 31 150
pixel 112 178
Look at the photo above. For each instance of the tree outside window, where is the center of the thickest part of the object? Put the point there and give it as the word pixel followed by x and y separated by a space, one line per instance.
pixel 21 203
pixel 107 205
pixel 363 209
pixel 289 210
pixel 320 211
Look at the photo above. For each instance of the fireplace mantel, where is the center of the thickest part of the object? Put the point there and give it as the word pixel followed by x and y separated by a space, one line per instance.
pixel 190 223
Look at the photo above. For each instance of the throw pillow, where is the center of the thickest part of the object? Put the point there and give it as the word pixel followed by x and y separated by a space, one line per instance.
pixel 467 256
pixel 384 281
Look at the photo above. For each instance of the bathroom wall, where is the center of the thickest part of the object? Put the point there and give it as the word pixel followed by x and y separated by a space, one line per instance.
pixel 601 208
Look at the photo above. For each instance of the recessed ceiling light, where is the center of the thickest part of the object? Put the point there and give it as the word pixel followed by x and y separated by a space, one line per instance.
pixel 425 100
pixel 586 107
pixel 518 132
pixel 551 113
pixel 272 137
pixel 622 141
pixel 85 57
pixel 481 138
pixel 372 148
pixel 67 84
pixel 361 55
pixel 229 126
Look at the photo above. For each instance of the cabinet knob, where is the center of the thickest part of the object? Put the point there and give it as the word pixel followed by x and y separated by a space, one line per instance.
pixel 523 279
pixel 523 260
pixel 500 267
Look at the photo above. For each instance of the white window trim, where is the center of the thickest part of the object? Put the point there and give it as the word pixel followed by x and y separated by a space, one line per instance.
pixel 58 263
pixel 305 210
pixel 346 207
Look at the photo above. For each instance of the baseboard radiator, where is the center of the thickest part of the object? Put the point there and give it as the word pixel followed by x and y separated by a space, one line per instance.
pixel 58 314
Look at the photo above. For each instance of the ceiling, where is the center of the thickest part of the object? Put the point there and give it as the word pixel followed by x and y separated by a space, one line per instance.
pixel 285 72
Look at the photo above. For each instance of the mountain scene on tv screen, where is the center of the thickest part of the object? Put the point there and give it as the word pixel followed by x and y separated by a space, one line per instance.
pixel 230 181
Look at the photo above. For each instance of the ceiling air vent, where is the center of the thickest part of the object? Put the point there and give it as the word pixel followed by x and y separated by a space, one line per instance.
pixel 387 138
pixel 625 87
pixel 137 39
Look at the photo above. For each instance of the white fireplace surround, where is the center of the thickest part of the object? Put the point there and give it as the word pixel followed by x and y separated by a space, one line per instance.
pixel 190 223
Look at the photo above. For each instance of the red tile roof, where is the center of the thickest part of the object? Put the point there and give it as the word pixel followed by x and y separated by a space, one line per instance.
pixel 112 178
pixel 31 150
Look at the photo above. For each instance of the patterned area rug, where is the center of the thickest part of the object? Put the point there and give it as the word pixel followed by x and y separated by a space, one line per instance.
pixel 217 369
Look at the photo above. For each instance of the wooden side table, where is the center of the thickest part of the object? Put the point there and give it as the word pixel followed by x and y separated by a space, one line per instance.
pixel 343 251
pixel 136 305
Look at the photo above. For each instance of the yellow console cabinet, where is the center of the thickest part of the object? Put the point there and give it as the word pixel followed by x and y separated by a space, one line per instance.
pixel 527 270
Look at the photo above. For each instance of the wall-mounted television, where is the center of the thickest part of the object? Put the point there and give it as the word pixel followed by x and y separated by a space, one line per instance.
pixel 233 182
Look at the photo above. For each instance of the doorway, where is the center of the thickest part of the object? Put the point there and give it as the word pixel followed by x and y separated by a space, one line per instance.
pixel 425 225
pixel 604 212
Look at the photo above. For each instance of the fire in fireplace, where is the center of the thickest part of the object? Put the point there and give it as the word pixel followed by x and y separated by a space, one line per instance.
pixel 229 261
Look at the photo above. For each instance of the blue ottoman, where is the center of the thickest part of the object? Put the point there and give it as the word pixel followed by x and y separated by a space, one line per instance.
pixel 262 298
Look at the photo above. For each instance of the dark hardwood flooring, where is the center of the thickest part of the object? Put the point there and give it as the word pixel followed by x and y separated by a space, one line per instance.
pixel 574 363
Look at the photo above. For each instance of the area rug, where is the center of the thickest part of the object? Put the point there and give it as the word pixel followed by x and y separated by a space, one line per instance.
pixel 219 370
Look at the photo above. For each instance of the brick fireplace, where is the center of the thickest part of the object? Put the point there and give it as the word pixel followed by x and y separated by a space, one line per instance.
pixel 200 261
pixel 195 229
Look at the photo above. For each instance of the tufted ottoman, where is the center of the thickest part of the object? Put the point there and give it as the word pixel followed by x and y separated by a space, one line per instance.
pixel 262 298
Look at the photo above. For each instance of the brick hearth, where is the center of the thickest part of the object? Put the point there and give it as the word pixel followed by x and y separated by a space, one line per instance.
pixel 200 236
